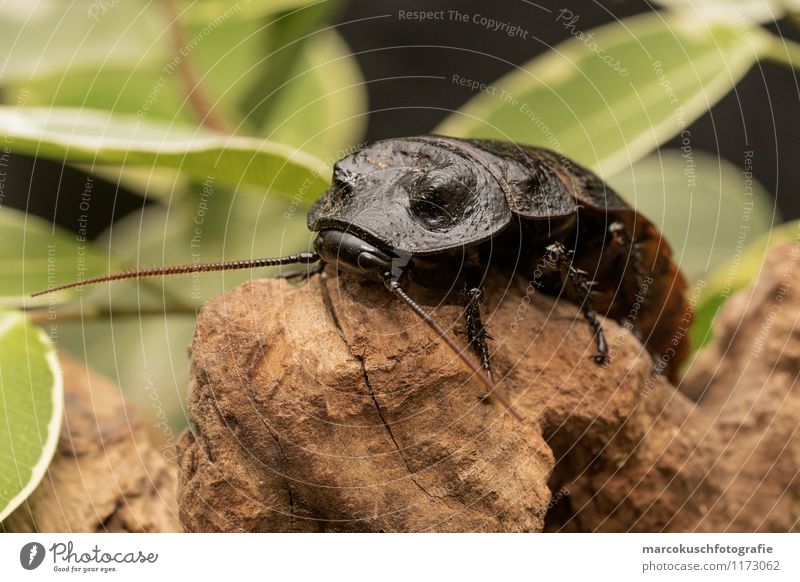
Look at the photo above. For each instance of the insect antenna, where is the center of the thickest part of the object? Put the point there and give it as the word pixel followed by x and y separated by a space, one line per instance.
pixel 192 268
pixel 393 286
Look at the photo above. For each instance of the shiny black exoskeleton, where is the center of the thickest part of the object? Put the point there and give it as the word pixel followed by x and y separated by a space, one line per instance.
pixel 450 207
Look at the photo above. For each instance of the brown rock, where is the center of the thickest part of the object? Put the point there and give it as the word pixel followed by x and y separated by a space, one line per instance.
pixel 732 462
pixel 106 474
pixel 329 407
pixel 748 382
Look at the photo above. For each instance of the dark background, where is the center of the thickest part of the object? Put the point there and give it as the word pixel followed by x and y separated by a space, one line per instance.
pixel 762 113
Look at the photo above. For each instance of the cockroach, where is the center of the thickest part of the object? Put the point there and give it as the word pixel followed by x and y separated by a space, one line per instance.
pixel 440 210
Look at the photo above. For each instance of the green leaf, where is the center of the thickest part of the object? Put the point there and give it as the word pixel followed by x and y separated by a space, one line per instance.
pixel 32 397
pixel 701 202
pixel 51 37
pixel 200 13
pixel 321 104
pixel 282 42
pixel 754 10
pixel 227 62
pixel 82 136
pixel 153 89
pixel 223 43
pixel 36 255
pixel 782 51
pixel 322 107
pixel 657 74
pixel 137 90
pixel 739 273
pixel 285 79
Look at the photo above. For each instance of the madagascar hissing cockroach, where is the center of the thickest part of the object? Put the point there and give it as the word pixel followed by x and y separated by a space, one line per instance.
pixel 441 209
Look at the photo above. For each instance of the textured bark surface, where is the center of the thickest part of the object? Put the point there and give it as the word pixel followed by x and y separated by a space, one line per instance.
pixel 106 474
pixel 748 382
pixel 329 407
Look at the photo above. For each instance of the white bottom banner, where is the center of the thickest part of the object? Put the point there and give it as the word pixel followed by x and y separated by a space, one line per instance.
pixel 384 557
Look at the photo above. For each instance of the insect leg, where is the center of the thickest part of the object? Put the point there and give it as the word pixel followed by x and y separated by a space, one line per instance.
pixel 560 260
pixel 393 285
pixel 476 330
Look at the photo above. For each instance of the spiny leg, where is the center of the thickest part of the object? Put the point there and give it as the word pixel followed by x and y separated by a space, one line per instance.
pixel 473 297
pixel 392 284
pixel 476 330
pixel 561 260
